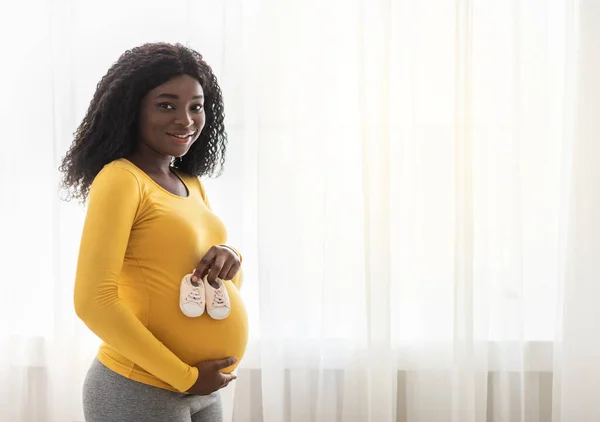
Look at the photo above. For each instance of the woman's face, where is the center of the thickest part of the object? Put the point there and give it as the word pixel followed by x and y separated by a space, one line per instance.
pixel 172 116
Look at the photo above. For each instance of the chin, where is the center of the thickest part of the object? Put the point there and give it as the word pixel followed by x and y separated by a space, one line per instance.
pixel 178 152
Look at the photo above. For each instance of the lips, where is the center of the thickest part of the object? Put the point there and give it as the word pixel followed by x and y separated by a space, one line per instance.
pixel 181 137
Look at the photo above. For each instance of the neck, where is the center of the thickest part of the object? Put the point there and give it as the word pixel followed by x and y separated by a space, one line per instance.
pixel 149 160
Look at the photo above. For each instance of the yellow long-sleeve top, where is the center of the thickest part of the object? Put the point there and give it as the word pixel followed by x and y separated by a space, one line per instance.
pixel 138 242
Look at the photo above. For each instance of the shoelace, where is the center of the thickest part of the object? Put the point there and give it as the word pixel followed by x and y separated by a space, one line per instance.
pixel 194 295
pixel 219 298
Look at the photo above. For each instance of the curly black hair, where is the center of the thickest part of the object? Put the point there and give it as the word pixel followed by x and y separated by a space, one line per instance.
pixel 109 129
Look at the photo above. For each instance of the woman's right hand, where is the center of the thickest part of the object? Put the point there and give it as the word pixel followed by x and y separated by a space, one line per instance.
pixel 210 378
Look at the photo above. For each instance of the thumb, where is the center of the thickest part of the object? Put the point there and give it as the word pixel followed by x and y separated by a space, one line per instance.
pixel 225 363
pixel 196 276
pixel 205 263
pixel 227 378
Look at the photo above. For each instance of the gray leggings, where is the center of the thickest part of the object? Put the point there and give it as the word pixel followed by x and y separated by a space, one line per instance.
pixel 110 397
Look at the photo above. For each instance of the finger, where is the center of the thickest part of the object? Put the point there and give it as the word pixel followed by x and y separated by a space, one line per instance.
pixel 226 269
pixel 215 270
pixel 233 271
pixel 227 378
pixel 204 265
pixel 224 363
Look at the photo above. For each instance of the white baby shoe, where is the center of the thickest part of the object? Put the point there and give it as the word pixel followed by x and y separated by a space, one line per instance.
pixel 192 297
pixel 217 300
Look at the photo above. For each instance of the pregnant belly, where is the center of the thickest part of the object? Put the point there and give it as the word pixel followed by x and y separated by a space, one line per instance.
pixel 195 340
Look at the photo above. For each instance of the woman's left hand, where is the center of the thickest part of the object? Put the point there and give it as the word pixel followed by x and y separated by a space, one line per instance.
pixel 219 262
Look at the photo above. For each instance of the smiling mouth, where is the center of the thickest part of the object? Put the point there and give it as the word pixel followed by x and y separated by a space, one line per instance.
pixel 181 137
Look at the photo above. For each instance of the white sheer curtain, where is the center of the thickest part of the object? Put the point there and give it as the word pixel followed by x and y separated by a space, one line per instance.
pixel 413 185
pixel 578 347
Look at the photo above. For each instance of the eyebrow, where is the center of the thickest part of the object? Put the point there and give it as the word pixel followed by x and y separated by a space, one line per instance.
pixel 176 97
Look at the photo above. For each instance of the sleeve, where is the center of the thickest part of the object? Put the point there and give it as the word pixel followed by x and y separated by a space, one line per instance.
pixel 112 207
pixel 238 280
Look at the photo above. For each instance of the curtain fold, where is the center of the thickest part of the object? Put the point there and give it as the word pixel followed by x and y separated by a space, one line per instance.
pixel 579 346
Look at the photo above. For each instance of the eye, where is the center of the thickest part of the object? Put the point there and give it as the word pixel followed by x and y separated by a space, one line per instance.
pixel 197 107
pixel 167 106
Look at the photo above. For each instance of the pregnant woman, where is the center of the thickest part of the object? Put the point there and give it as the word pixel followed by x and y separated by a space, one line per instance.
pixel 153 255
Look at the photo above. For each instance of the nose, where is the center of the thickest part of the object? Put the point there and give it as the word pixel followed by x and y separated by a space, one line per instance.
pixel 184 119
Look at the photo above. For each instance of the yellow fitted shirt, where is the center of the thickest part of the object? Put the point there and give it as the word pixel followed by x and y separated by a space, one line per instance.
pixel 138 242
